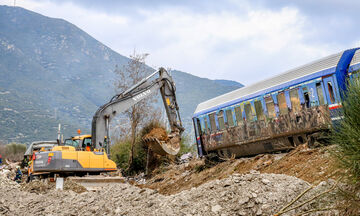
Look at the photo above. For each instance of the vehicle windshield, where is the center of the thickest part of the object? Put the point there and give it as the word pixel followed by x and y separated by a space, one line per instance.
pixel 71 142
pixel 76 143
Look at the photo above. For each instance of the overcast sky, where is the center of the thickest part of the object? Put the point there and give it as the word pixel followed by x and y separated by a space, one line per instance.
pixel 241 40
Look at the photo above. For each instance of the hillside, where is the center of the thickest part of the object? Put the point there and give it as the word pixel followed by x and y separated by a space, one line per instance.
pixel 53 72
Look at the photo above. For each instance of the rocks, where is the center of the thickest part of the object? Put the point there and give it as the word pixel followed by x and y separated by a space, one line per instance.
pixel 248 194
pixel 43 187
pixel 265 181
pixel 216 208
pixel 6 183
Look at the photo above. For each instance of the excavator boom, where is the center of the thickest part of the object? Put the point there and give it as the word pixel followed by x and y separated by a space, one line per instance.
pixel 123 101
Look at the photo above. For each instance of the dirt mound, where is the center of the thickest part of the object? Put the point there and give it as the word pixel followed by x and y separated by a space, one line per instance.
pixel 73 186
pixel 159 133
pixel 42 187
pixel 39 187
pixel 6 183
pixel 311 165
pixel 239 194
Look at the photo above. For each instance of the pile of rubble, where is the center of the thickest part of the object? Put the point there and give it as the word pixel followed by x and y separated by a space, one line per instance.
pixel 44 186
pixel 241 194
pixel 5 181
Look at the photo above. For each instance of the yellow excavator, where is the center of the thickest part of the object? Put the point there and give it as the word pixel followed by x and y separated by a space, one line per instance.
pixel 88 154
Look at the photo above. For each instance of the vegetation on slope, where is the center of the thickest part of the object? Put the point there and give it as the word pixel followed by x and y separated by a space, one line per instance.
pixel 346 134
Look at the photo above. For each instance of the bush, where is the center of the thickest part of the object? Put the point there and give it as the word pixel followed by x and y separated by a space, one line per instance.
pixel 120 153
pixel 13 151
pixel 345 134
pixel 186 146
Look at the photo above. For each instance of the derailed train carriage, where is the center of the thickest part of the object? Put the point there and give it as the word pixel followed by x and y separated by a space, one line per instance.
pixel 277 113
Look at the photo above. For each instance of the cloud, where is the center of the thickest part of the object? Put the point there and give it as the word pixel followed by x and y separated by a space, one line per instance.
pixel 243 40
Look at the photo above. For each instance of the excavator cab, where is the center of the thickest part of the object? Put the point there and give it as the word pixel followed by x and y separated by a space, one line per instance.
pixel 86 143
pixel 82 142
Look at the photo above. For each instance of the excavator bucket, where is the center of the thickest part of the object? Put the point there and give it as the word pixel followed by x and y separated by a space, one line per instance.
pixel 161 143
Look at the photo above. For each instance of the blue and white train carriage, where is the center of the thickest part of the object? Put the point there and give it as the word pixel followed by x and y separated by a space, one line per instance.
pixel 277 113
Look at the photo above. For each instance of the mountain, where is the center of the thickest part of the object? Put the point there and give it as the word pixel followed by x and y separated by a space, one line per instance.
pixel 230 83
pixel 53 72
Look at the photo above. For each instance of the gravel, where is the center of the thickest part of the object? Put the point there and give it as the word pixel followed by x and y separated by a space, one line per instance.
pixel 239 194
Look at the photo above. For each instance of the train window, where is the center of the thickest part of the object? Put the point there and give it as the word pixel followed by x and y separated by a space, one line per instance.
pixel 248 112
pixel 320 94
pixel 270 107
pixel 207 128
pixel 259 110
pixel 238 114
pixel 295 101
pixel 331 92
pixel 229 117
pixel 212 122
pixel 221 120
pixel 283 108
pixel 306 97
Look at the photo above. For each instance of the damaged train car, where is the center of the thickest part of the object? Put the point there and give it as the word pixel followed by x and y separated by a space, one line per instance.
pixel 277 113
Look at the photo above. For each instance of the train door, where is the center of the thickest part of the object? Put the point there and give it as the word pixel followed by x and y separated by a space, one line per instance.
pixel 198 133
pixel 306 96
pixel 329 84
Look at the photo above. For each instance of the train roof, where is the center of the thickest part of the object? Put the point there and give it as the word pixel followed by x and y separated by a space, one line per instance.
pixel 256 89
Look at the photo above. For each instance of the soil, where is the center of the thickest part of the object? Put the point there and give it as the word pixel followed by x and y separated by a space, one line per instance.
pixel 239 194
pixel 159 133
pixel 45 186
pixel 245 186
pixel 311 165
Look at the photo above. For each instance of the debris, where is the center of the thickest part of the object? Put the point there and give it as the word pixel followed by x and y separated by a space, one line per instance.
pixel 245 195
pixel 73 186
pixel 185 158
pixel 159 133
pixel 234 187
pixel 216 208
pixel 37 186
pixel 44 186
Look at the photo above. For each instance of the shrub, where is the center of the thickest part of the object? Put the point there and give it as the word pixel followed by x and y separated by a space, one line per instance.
pixel 13 151
pixel 186 146
pixel 345 134
pixel 120 153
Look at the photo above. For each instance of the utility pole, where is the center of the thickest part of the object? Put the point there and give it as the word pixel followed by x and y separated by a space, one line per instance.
pixel 14 3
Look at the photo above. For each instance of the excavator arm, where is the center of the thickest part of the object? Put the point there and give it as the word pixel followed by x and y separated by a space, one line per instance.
pixel 123 101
